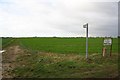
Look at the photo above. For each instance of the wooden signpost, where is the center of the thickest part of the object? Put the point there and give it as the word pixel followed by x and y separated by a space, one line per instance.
pixel 107 46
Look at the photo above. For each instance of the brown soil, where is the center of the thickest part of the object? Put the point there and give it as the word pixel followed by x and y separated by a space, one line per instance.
pixel 9 60
pixel 0 66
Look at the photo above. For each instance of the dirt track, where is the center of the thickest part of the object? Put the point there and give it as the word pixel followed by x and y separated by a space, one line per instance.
pixel 9 60
pixel 0 65
pixel 14 51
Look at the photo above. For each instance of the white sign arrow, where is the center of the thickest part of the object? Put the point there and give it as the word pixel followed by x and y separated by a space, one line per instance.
pixel 2 51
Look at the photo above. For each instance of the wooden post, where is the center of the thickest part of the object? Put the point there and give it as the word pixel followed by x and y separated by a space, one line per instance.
pixel 111 47
pixel 102 45
pixel 104 51
pixel 107 46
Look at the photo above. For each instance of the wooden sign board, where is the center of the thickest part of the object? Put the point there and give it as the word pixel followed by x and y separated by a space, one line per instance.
pixel 108 41
pixel 107 46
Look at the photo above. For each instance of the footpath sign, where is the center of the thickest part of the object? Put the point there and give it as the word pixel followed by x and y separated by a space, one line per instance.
pixel 86 26
pixel 107 46
pixel 108 41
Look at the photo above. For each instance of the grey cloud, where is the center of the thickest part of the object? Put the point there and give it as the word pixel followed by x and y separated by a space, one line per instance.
pixel 119 18
pixel 102 18
pixel 63 17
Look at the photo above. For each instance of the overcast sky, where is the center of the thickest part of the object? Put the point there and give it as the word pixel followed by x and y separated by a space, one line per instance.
pixel 61 18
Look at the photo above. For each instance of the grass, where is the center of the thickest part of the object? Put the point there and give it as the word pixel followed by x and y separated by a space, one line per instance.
pixel 65 45
pixel 0 43
pixel 40 59
pixel 50 65
pixel 6 42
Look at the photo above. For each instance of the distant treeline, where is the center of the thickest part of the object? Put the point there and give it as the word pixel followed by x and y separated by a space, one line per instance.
pixel 58 37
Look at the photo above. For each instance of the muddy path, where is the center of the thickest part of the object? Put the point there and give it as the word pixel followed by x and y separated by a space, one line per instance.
pixel 9 60
pixel 0 65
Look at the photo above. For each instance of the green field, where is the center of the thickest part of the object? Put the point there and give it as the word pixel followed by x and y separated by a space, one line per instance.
pixel 0 43
pixel 66 45
pixel 6 42
pixel 60 58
